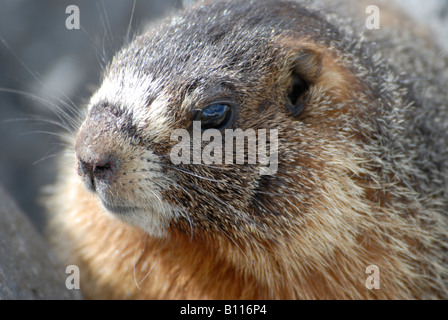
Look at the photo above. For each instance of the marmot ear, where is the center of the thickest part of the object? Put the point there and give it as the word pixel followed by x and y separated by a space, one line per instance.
pixel 305 71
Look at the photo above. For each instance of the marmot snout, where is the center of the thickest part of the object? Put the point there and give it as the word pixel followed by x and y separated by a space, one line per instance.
pixel 96 160
pixel 361 178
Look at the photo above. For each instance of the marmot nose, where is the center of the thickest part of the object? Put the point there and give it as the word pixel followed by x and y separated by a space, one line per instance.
pixel 96 146
pixel 97 168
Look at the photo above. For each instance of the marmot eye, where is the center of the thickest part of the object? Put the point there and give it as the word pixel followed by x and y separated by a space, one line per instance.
pixel 215 116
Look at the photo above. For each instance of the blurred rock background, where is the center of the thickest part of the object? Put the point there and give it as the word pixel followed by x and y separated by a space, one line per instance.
pixel 40 57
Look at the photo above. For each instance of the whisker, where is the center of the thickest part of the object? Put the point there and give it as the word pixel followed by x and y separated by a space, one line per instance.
pixel 72 108
pixel 223 231
pixel 100 54
pixel 107 21
pixel 50 156
pixel 193 174
pixel 70 105
pixel 128 32
pixel 42 132
pixel 222 181
pixel 59 112
pixel 184 211
pixel 37 119
pixel 137 283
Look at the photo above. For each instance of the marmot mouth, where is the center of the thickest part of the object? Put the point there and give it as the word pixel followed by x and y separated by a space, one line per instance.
pixel 119 209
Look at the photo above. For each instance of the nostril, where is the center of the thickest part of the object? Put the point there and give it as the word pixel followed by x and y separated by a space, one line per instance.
pixel 103 168
pixel 84 168
pixel 96 169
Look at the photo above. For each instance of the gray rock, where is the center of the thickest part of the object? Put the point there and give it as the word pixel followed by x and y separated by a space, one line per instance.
pixel 27 269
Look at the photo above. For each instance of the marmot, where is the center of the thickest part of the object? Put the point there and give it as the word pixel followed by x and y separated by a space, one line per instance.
pixel 362 176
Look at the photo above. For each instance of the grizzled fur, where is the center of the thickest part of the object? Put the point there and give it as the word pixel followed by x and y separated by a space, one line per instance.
pixel 362 177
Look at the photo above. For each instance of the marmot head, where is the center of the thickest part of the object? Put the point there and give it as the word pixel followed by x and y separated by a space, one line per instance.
pixel 225 66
